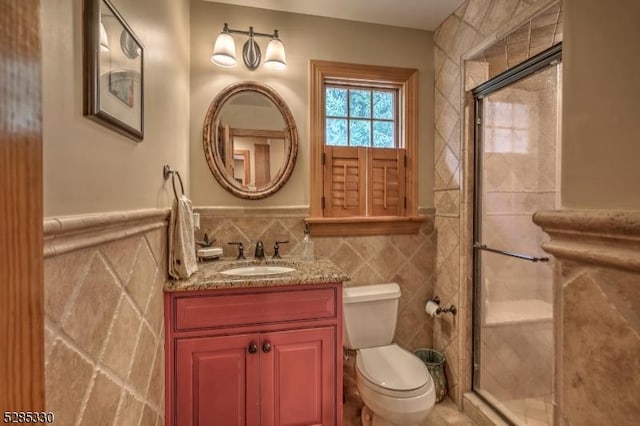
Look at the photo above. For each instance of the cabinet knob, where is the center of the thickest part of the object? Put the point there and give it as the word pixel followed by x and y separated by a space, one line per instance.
pixel 266 347
pixel 253 348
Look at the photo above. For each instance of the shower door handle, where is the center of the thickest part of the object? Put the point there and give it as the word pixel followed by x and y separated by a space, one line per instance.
pixel 510 253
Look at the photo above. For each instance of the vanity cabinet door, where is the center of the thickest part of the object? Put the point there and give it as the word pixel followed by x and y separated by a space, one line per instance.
pixel 217 381
pixel 298 377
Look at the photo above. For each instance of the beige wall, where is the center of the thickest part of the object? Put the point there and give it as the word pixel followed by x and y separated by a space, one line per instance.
pixel 87 167
pixel 305 37
pixel 600 112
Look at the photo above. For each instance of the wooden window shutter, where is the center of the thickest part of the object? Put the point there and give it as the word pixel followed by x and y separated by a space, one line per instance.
pixel 344 181
pixel 386 182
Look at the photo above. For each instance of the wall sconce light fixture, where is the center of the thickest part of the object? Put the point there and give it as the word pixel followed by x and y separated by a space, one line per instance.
pixel 224 50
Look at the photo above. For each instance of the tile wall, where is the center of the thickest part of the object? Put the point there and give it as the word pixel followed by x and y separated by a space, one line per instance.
pixel 518 360
pixel 598 327
pixel 104 338
pixel 474 26
pixel 520 177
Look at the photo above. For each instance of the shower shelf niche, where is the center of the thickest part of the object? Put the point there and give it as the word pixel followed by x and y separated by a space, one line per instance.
pixel 517 311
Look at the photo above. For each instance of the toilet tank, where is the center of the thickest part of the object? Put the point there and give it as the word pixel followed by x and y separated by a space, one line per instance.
pixel 370 314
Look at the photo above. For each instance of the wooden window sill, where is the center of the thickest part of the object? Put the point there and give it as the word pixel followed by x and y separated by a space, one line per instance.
pixel 361 225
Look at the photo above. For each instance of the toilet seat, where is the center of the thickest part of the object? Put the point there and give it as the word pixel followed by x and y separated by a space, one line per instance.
pixel 393 371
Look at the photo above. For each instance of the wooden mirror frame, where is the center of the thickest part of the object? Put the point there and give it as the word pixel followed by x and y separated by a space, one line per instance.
pixel 210 148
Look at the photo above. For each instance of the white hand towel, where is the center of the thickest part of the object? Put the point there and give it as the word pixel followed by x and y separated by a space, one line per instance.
pixel 182 255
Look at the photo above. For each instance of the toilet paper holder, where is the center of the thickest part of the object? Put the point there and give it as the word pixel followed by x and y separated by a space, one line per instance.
pixel 442 310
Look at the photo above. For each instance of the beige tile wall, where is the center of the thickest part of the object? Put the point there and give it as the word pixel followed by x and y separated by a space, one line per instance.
pixel 600 345
pixel 518 360
pixel 405 259
pixel 598 327
pixel 474 26
pixel 104 345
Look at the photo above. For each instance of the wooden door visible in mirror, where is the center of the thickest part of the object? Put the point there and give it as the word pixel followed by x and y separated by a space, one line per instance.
pixel 250 117
pixel 263 172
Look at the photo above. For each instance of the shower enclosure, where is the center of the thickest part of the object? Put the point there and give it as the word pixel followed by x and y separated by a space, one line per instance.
pixel 517 173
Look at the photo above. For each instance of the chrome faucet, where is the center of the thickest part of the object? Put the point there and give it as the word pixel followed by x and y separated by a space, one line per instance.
pixel 259 254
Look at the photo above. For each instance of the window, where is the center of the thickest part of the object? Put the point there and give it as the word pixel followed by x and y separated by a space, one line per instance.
pixel 363 149
pixel 360 117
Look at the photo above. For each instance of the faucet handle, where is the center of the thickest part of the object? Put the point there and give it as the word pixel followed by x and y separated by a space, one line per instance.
pixel 276 248
pixel 240 249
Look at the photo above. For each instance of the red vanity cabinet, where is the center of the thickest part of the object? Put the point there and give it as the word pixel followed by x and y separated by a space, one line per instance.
pixel 265 356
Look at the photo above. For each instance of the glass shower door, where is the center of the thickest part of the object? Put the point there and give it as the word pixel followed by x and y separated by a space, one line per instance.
pixel 517 174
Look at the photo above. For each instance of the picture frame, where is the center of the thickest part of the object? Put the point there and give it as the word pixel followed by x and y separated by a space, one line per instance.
pixel 113 61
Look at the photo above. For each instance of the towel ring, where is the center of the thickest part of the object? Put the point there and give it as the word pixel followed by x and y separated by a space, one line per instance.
pixel 166 172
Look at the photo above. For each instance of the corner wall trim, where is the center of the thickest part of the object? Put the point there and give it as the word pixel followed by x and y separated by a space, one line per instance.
pixel 602 237
pixel 69 233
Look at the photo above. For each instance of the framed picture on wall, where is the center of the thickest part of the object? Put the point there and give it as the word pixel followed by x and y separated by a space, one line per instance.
pixel 113 59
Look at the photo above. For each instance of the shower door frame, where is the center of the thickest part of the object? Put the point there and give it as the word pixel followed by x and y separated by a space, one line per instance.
pixel 539 62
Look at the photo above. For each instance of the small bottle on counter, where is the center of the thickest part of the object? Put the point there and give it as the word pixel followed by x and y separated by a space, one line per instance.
pixel 307 246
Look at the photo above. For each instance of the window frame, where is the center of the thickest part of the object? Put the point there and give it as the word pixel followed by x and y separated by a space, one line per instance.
pixel 405 80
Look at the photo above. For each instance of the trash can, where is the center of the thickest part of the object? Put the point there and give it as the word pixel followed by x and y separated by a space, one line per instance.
pixel 434 361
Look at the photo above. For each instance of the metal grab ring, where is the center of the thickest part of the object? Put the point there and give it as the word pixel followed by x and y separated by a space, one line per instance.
pixel 173 183
pixel 166 171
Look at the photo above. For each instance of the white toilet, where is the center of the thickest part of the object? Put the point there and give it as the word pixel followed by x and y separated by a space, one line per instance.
pixel 394 384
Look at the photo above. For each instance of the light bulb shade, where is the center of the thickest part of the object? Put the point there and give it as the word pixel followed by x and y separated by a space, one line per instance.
pixel 224 51
pixel 275 56
pixel 104 40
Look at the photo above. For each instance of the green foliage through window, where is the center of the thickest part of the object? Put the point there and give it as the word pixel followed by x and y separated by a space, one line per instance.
pixel 360 117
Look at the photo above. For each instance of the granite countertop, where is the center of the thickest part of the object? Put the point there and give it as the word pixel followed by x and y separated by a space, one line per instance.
pixel 209 276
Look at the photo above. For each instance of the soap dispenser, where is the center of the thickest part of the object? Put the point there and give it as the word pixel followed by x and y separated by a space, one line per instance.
pixel 307 246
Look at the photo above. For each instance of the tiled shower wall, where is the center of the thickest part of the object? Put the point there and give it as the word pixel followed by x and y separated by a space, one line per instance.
pixel 104 344
pixel 473 25
pixel 516 185
pixel 405 259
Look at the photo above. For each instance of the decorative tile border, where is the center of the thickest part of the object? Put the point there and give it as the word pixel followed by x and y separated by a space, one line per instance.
pixel 607 238
pixel 70 233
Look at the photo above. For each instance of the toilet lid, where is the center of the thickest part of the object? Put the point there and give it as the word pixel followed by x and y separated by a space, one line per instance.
pixel 392 367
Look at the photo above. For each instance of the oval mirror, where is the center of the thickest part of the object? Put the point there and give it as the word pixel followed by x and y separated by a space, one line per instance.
pixel 250 140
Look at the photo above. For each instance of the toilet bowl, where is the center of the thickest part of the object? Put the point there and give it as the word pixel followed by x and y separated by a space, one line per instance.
pixel 394 384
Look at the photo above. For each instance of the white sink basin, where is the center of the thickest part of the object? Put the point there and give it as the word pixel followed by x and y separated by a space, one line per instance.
pixel 247 271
